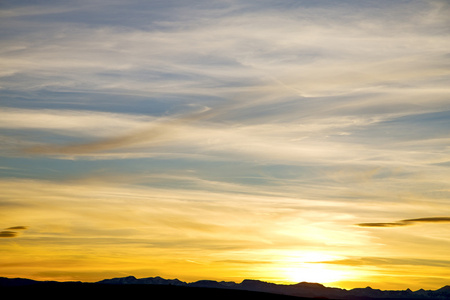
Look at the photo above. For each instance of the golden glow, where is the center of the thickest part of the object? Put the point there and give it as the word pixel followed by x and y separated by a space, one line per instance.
pixel 67 238
pixel 320 273
pixel 306 267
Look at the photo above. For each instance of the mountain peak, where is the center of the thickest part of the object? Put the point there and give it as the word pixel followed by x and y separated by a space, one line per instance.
pixel 253 282
pixel 120 280
pixel 310 284
pixel 445 289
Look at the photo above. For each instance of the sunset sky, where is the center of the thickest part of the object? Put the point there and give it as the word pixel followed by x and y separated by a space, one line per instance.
pixel 279 140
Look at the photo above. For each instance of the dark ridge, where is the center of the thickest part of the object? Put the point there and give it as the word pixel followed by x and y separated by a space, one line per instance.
pixel 16 282
pixel 209 289
pixel 132 291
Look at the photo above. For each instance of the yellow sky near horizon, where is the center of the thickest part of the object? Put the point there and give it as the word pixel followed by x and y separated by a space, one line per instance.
pixel 108 230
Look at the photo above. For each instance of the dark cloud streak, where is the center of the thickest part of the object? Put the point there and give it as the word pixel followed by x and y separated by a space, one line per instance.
pixel 9 233
pixel 17 228
pixel 407 222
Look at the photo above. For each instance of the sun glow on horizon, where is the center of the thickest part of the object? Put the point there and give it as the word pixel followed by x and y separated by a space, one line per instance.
pixel 307 267
pixel 313 272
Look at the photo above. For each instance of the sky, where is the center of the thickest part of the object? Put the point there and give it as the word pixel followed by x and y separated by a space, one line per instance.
pixel 283 141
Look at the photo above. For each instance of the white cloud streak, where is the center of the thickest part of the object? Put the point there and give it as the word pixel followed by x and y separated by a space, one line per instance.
pixel 70 122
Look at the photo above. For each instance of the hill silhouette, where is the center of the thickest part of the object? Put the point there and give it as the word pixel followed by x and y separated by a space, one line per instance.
pixel 204 289
pixel 147 291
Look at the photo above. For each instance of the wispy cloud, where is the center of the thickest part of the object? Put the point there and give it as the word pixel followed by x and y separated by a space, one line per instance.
pixel 388 261
pixel 242 51
pixel 160 131
pixel 71 122
pixel 407 222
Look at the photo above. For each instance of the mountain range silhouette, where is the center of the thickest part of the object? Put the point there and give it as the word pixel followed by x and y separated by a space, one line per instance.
pixel 209 289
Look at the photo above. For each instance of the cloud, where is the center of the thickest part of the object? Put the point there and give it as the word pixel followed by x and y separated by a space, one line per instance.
pixel 407 222
pixel 388 261
pixel 9 233
pixel 71 122
pixel 294 51
pixel 245 262
pixel 262 59
pixel 153 134
pixel 431 220
pixel 156 133
pixel 17 228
